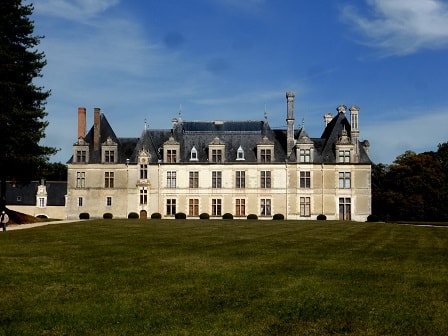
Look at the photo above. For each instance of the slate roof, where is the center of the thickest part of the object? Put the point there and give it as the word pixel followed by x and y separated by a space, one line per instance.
pixel 26 194
pixel 247 134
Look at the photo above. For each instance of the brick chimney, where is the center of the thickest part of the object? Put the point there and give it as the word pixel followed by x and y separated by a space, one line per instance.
pixel 290 121
pixel 96 128
pixel 81 122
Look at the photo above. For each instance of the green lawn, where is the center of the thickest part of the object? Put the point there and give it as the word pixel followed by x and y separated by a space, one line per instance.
pixel 199 277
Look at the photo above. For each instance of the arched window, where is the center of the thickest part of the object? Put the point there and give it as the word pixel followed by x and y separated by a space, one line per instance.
pixel 240 154
pixel 194 154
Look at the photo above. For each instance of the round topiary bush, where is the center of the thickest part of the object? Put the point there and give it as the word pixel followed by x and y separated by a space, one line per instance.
pixel 227 215
pixel 252 216
pixel 84 215
pixel 278 217
pixel 107 215
pixel 372 218
pixel 321 217
pixel 156 215
pixel 204 215
pixel 133 215
pixel 42 217
pixel 180 215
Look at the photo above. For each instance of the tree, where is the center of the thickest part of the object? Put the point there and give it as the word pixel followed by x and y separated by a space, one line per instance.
pixel 412 188
pixel 22 102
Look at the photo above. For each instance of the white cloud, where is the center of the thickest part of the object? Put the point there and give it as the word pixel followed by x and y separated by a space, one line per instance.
pixel 418 132
pixel 401 27
pixel 75 10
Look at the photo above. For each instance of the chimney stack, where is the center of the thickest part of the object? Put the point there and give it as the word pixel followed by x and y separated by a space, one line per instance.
pixel 96 128
pixel 290 121
pixel 81 122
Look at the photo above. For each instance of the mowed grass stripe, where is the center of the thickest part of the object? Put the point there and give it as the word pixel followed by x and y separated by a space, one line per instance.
pixel 195 277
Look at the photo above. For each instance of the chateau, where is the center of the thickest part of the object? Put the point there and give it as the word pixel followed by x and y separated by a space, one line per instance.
pixel 217 167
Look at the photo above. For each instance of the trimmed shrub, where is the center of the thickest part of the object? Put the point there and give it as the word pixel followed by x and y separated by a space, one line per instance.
pixel 133 215
pixel 321 217
pixel 180 215
pixel 278 217
pixel 252 216
pixel 42 216
pixel 84 215
pixel 372 218
pixel 107 215
pixel 156 215
pixel 227 215
pixel 204 215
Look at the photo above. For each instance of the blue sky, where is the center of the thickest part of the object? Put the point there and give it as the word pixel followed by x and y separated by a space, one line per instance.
pixel 235 59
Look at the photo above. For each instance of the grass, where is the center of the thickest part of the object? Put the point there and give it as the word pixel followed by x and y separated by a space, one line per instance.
pixel 177 277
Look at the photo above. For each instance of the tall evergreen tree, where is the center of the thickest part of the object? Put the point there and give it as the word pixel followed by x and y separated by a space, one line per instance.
pixel 22 102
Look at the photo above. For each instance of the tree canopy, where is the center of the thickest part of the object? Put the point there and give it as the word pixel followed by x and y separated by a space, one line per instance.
pixel 414 187
pixel 22 102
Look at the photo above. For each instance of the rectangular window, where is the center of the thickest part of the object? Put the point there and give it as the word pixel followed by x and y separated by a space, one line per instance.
pixel 265 179
pixel 345 180
pixel 81 156
pixel 194 179
pixel 108 180
pixel 170 207
pixel 240 207
pixel 143 196
pixel 143 171
pixel 80 179
pixel 240 181
pixel 193 207
pixel 216 155
pixel 216 179
pixel 109 156
pixel 265 207
pixel 41 202
pixel 108 201
pixel 265 155
pixel 305 155
pixel 344 156
pixel 305 206
pixel 216 207
pixel 305 179
pixel 171 179
pixel 80 201
pixel 345 209
pixel 171 156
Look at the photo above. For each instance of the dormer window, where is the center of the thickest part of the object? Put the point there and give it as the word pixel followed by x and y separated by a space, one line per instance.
pixel 216 150
pixel 304 148
pixel 109 150
pixel 265 151
pixel 304 155
pixel 171 151
pixel 194 154
pixel 81 151
pixel 240 154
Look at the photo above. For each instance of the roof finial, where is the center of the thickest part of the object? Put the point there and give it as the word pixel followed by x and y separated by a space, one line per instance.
pixel 146 124
pixel 265 113
pixel 180 112
pixel 303 123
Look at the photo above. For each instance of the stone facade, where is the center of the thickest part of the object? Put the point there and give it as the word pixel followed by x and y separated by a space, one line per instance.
pixel 217 167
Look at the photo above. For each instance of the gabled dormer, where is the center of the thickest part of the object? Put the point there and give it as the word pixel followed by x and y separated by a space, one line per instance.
pixel 265 151
pixel 81 151
pixel 304 148
pixel 240 154
pixel 171 151
pixel 345 149
pixel 143 159
pixel 194 154
pixel 109 151
pixel 216 151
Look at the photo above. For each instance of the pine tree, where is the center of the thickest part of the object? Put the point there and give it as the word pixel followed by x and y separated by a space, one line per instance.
pixel 22 102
